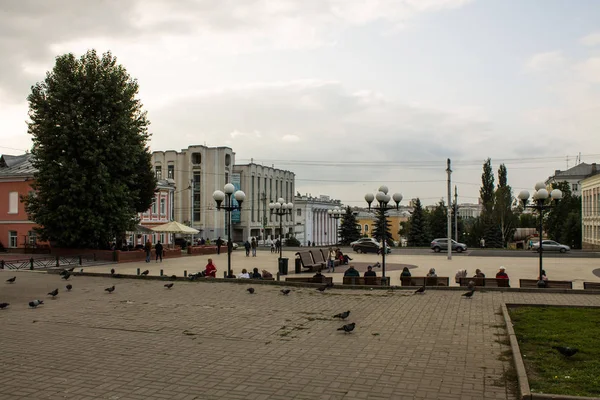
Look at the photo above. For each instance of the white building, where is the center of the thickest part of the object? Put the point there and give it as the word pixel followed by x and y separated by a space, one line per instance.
pixel 263 185
pixel 313 224
pixel 573 176
pixel 469 210
pixel 590 211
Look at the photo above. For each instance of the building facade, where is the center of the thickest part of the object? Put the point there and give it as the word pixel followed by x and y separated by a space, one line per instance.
pixel 313 223
pixel 262 185
pixel 160 212
pixel 16 177
pixel 590 212
pixel 367 219
pixel 469 210
pixel 573 176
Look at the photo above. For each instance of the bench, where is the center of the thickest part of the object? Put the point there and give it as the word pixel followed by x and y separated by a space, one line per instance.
pixel 325 256
pixel 549 284
pixel 307 261
pixel 591 285
pixel 425 281
pixel 363 280
pixel 324 279
pixel 489 282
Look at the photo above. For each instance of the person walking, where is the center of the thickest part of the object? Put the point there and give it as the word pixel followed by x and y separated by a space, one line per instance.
pixel 159 251
pixel 482 243
pixel 247 247
pixel 253 246
pixel 148 250
pixel 219 243
pixel 331 260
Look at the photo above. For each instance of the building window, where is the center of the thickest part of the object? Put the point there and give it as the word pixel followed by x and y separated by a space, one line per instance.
pixel 162 237
pixel 196 197
pixel 366 228
pixel 32 238
pixel 158 170
pixel 574 187
pixel 252 196
pixel 13 202
pixel 163 208
pixel 154 206
pixel 227 160
pixel 12 239
pixel 171 171
pixel 299 212
pixel 196 158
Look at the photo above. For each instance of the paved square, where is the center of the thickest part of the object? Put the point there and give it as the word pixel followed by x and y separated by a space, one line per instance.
pixel 216 341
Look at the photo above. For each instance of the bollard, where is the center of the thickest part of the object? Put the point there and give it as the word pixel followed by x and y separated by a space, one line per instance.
pixel 2 264
pixel 57 262
pixel 185 274
pixel 277 276
pixel 138 271
pixel 31 263
pixel 224 275
pixel 80 261
pixel 161 272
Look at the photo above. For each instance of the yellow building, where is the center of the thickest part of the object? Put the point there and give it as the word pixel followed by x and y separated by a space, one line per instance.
pixel 590 211
pixel 366 220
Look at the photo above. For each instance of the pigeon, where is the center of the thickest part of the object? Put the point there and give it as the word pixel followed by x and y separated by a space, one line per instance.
pixel 322 289
pixel 250 290
pixel 566 351
pixel 471 285
pixel 69 287
pixel 3 305
pixel 110 289
pixel 347 328
pixel 285 291
pixel 169 285
pixel 66 276
pixel 112 271
pixel 35 303
pixel 377 265
pixel 343 315
pixel 146 272
pixel 63 272
pixel 468 295
pixel 12 280
pixel 81 271
pixel 53 293
pixel 420 290
pixel 71 269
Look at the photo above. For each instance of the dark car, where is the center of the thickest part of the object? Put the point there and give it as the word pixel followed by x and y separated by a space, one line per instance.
pixel 369 247
pixel 442 244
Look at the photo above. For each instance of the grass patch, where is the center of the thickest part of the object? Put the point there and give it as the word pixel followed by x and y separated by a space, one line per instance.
pixel 548 371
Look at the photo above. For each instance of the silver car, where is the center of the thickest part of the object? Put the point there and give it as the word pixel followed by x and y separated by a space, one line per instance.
pixel 442 244
pixel 550 245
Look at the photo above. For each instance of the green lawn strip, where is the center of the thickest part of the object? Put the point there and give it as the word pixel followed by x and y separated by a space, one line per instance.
pixel 548 371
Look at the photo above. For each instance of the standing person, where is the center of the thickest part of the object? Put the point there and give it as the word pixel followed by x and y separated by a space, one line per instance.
pixel 159 251
pixel 272 247
pixel 247 247
pixel 309 243
pixel 148 250
pixel 277 245
pixel 253 245
pixel 210 271
pixel 482 243
pixel 331 260
pixel 219 243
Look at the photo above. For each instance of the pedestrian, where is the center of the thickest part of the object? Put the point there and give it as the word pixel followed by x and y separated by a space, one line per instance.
pixel 253 246
pixel 148 250
pixel 272 247
pixel 219 243
pixel 247 247
pixel 309 243
pixel 159 251
pixel 482 243
pixel 331 260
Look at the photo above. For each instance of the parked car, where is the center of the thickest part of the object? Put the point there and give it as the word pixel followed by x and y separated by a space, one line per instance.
pixel 369 247
pixel 442 244
pixel 364 240
pixel 550 245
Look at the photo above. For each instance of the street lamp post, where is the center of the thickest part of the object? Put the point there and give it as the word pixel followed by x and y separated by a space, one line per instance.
pixel 336 214
pixel 539 198
pixel 281 208
pixel 226 196
pixel 383 199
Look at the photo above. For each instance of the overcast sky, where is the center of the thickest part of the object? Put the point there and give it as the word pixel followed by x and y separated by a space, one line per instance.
pixel 348 94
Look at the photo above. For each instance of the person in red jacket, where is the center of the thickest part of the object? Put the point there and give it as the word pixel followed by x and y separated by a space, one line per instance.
pixel 210 270
pixel 502 274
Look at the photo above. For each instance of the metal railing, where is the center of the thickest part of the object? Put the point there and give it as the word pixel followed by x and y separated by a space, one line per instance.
pixel 48 262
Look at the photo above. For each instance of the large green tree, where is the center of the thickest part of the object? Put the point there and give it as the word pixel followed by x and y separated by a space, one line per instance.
pixel 563 221
pixel 349 228
pixel 382 227
pixel 437 221
pixel 503 214
pixel 90 150
pixel 490 228
pixel 418 236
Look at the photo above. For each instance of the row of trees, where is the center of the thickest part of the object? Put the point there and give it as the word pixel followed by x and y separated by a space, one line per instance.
pixel 501 215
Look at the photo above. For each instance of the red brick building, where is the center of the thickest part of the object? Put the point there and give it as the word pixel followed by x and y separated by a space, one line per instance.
pixel 17 232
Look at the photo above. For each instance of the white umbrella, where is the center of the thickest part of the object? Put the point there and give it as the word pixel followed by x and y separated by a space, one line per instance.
pixel 175 227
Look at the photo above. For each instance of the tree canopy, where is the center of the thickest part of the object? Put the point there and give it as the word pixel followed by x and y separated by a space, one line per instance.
pixel 90 150
pixel 349 228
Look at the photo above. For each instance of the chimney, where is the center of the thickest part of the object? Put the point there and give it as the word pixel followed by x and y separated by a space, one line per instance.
pixel 594 169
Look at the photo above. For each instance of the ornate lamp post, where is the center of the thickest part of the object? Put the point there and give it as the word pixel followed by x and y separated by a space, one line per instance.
pixel 539 198
pixel 336 214
pixel 226 196
pixel 383 199
pixel 281 208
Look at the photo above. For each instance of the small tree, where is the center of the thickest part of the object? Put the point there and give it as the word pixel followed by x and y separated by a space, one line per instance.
pixel 438 221
pixel 417 236
pixel 560 221
pixel 349 229
pixel 503 213
pixel 381 227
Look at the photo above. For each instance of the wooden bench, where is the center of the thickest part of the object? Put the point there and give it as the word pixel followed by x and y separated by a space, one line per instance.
pixel 489 282
pixel 312 279
pixel 325 256
pixel 425 281
pixel 549 284
pixel 591 285
pixel 363 280
pixel 307 261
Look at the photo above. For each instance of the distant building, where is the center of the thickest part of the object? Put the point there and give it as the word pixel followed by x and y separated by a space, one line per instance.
pixel 160 212
pixel 313 224
pixel 573 176
pixel 366 219
pixel 590 210
pixel 469 210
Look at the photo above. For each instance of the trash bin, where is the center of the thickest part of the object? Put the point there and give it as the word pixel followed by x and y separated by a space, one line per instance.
pixel 298 266
pixel 283 266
